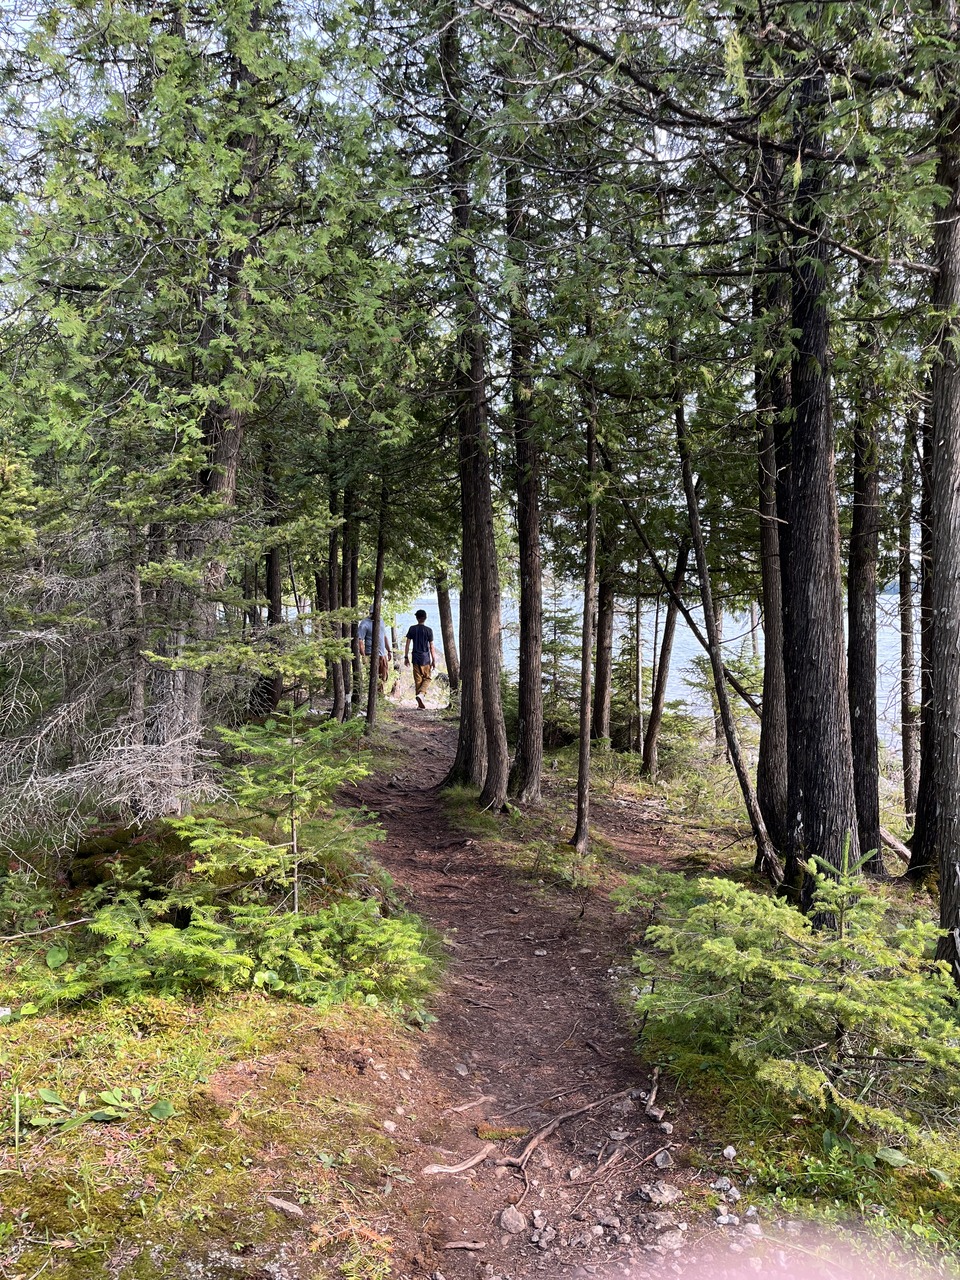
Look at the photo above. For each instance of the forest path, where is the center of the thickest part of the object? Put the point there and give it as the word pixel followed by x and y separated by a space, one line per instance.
pixel 527 1021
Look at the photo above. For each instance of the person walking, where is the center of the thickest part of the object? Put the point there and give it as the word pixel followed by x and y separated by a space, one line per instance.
pixel 365 644
pixel 424 656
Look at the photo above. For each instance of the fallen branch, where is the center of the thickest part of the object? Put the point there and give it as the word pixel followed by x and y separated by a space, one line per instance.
pixel 35 933
pixel 487 1149
pixel 467 1106
pixel 527 1106
pixel 519 1161
pixel 897 846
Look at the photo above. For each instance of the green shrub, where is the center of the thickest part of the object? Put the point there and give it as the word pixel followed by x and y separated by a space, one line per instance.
pixel 280 898
pixel 854 1024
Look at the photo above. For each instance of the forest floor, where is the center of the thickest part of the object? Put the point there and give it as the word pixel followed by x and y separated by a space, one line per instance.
pixel 532 1045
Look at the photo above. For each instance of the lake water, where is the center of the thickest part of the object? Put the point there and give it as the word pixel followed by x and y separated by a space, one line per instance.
pixel 737 633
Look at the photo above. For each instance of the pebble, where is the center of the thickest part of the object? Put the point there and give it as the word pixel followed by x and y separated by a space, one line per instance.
pixel 461 1068
pixel 727 1220
pixel 390 1126
pixel 656 1114
pixel 666 1127
pixel 752 1214
pixel 753 1229
pixel 663 1160
pixel 512 1220
pixel 661 1193
pixel 660 1221
pixel 539 952
pixel 609 1220
pixel 619 1135
pixel 539 1219
pixel 672 1240
pixel 574 1173
pixel 545 1238
pixel 721 1184
pixel 729 1153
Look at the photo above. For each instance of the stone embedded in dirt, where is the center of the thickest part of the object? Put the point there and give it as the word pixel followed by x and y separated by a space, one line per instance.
pixel 663 1160
pixel 753 1229
pixel 545 1238
pixel 512 1220
pixel 666 1127
pixel 574 1173
pixel 390 1126
pixel 285 1206
pixel 661 1193
pixel 619 1135
pixel 729 1153
pixel 727 1220
pixel 539 952
pixel 624 1107
pixel 656 1113
pixel 721 1184
pixel 752 1214
pixel 539 1219
pixel 461 1068
pixel 733 1195
pixel 658 1221
pixel 672 1240
pixel 609 1220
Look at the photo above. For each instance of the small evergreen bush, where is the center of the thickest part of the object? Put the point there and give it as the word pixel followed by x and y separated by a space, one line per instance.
pixel 281 897
pixel 854 1023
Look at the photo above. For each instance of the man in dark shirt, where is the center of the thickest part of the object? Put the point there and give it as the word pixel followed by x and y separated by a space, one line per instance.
pixel 424 656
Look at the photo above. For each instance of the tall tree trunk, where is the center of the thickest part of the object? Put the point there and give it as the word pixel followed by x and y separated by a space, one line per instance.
pixel 374 674
pixel 356 684
pixel 606 605
pixel 765 851
pixel 945 509
pixel 581 836
pixel 908 685
pixel 772 389
pixel 862 611
pixel 820 768
pixel 339 708
pixel 923 850
pixel 524 780
pixel 349 537
pixel 482 729
pixel 650 766
pixel 446 629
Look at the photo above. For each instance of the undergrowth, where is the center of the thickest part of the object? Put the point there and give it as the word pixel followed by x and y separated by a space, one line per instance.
pixel 272 889
pixel 831 1054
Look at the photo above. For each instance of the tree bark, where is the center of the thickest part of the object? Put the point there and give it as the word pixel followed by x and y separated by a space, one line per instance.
pixel 483 737
pixel 339 708
pixel 650 767
pixel 862 615
pixel 606 605
pixel 945 509
pixel 374 673
pixel 820 766
pixel 923 845
pixel 581 836
pixel 524 780
pixel 909 744
pixel 451 658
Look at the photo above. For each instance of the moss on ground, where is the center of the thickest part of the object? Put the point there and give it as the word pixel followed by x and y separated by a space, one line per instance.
pixel 264 1157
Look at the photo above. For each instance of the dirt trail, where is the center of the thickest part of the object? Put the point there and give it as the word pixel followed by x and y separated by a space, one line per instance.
pixel 527 1029
pixel 528 1022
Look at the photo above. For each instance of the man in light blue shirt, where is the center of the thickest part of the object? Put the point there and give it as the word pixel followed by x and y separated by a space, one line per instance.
pixel 365 645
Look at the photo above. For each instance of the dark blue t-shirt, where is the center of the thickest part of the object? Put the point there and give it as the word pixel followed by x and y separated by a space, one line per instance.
pixel 422 638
